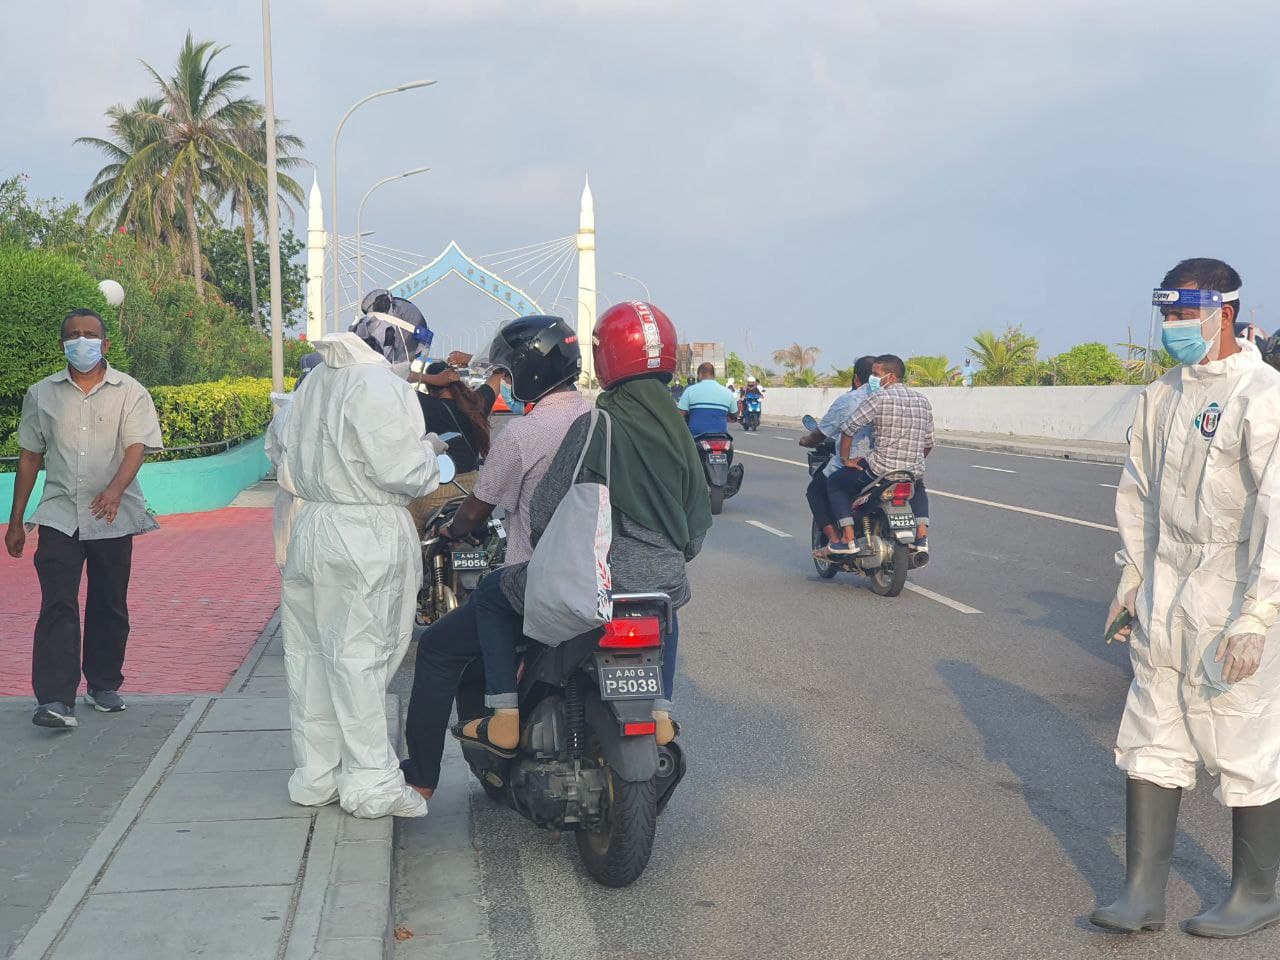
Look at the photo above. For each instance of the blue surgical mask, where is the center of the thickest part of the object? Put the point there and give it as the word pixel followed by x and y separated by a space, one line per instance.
pixel 83 353
pixel 873 384
pixel 506 395
pixel 1184 339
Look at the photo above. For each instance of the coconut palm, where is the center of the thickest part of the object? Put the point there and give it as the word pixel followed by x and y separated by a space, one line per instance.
pixel 200 140
pixel 128 201
pixel 796 357
pixel 1005 359
pixel 927 371
pixel 248 196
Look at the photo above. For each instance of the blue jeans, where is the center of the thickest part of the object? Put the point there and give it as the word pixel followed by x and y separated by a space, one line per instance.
pixel 845 484
pixel 499 629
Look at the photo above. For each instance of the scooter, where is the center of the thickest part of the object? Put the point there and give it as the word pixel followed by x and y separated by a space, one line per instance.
pixel 751 406
pixel 588 760
pixel 724 477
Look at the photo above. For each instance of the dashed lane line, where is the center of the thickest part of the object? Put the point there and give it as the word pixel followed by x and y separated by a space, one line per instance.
pixel 986 503
pixel 945 601
pixel 978 466
pixel 1113 486
pixel 768 529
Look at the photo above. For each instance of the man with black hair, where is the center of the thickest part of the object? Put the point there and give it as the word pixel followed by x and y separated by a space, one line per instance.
pixel 901 420
pixel 1198 508
pixel 88 426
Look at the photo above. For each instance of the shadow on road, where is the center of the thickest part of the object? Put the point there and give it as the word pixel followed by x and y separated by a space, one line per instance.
pixel 1069 783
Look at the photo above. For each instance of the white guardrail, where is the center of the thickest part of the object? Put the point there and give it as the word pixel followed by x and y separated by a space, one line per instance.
pixel 1062 413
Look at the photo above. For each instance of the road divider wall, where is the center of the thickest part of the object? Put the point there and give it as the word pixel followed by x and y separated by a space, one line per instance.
pixel 1101 414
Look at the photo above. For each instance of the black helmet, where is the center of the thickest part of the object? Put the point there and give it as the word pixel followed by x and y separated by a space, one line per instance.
pixel 540 353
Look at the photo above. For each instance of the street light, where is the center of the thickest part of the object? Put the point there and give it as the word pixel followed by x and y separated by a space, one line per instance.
pixel 626 276
pixel 337 133
pixel 360 217
pixel 273 207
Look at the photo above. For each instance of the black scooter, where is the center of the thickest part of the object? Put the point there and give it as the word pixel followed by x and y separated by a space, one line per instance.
pixel 588 760
pixel 724 477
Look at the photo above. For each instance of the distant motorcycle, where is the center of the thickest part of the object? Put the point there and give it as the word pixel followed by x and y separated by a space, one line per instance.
pixel 451 570
pixel 885 525
pixel 751 406
pixel 724 477
pixel 588 760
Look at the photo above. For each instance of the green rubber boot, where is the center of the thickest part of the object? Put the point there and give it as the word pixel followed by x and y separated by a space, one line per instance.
pixel 1255 860
pixel 1151 823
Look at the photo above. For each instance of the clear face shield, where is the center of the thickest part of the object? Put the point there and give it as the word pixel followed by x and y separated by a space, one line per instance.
pixel 1188 323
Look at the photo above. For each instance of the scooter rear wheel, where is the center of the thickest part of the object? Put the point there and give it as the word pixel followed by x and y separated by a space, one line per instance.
pixel 888 579
pixel 717 500
pixel 617 852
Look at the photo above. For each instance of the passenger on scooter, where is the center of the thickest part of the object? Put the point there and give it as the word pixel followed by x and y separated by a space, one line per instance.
pixel 707 405
pixel 902 423
pixel 541 357
pixel 829 429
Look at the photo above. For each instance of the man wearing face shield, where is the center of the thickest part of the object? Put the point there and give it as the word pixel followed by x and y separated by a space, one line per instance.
pixel 1198 509
pixel 355 454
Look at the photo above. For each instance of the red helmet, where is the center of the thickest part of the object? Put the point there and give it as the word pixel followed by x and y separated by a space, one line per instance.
pixel 631 339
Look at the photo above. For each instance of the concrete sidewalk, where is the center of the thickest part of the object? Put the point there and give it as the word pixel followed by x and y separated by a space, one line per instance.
pixel 206 856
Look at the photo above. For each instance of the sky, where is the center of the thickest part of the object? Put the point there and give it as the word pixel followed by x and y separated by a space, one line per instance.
pixel 863 176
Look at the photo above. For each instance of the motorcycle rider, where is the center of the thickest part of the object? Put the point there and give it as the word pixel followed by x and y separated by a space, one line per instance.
pixel 541 357
pixel 902 424
pixel 829 429
pixel 1200 578
pixel 707 405
pixel 753 390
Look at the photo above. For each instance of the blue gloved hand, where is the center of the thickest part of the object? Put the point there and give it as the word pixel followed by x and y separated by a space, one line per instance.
pixel 423 335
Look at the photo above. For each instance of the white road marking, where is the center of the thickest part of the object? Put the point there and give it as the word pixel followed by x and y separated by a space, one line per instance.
pixel 788 439
pixel 1029 456
pixel 978 466
pixel 768 529
pixel 945 601
pixel 985 503
pixel 1113 486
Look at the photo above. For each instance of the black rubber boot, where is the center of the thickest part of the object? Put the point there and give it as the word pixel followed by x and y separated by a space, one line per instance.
pixel 1255 859
pixel 1150 825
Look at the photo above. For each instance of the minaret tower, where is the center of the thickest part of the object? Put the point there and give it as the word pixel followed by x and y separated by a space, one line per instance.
pixel 587 283
pixel 315 262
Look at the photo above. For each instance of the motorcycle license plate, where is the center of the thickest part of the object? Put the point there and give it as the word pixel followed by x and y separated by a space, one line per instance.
pixel 630 683
pixel 718 458
pixel 901 521
pixel 470 560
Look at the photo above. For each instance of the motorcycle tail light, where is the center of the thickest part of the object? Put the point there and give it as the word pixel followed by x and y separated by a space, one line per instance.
pixel 902 493
pixel 716 446
pixel 639 729
pixel 631 634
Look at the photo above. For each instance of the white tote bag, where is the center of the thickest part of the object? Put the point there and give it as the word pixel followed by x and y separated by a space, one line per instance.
pixel 568 589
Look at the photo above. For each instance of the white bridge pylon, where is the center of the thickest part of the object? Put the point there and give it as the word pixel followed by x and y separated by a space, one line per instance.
pixel 542 270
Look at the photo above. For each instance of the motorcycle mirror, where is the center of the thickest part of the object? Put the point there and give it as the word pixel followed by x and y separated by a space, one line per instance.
pixel 810 424
pixel 447 469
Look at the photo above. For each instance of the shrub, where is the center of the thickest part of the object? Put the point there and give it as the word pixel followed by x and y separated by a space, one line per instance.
pixel 38 289
pixel 209 413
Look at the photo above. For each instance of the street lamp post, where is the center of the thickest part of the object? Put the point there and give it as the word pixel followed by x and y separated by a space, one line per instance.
pixel 337 262
pixel 626 276
pixel 360 218
pixel 273 207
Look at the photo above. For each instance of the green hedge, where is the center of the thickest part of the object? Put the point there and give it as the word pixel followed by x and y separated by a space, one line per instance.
pixel 199 413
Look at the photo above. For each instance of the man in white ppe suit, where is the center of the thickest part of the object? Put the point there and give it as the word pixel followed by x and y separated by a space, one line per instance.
pixel 1198 509
pixel 355 455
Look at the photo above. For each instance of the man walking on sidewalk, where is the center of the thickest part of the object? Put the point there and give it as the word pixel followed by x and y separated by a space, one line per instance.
pixel 89 426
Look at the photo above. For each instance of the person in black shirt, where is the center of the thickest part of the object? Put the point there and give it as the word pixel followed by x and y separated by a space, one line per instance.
pixel 450 406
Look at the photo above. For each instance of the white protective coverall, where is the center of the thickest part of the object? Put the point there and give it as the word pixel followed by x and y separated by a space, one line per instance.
pixel 355 454
pixel 1198 509
pixel 285 505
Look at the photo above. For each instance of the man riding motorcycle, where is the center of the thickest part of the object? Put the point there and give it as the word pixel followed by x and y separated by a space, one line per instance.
pixel 753 391
pixel 829 429
pixel 707 405
pixel 902 423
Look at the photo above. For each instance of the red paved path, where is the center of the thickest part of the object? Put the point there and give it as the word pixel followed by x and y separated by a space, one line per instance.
pixel 204 585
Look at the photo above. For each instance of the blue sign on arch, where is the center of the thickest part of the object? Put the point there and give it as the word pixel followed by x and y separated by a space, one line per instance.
pixel 453 260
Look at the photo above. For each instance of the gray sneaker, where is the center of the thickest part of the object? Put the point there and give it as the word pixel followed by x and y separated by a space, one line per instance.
pixel 105 701
pixel 55 716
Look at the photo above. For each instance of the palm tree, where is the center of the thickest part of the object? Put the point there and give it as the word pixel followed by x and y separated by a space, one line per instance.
pixel 804 377
pixel 796 357
pixel 128 201
pixel 1005 359
pixel 927 371
pixel 1136 365
pixel 248 196
pixel 200 123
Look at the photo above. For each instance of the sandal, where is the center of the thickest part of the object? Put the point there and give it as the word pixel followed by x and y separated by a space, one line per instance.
pixel 481 739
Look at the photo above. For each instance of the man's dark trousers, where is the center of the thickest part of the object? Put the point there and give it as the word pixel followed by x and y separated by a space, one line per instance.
pixel 56 661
